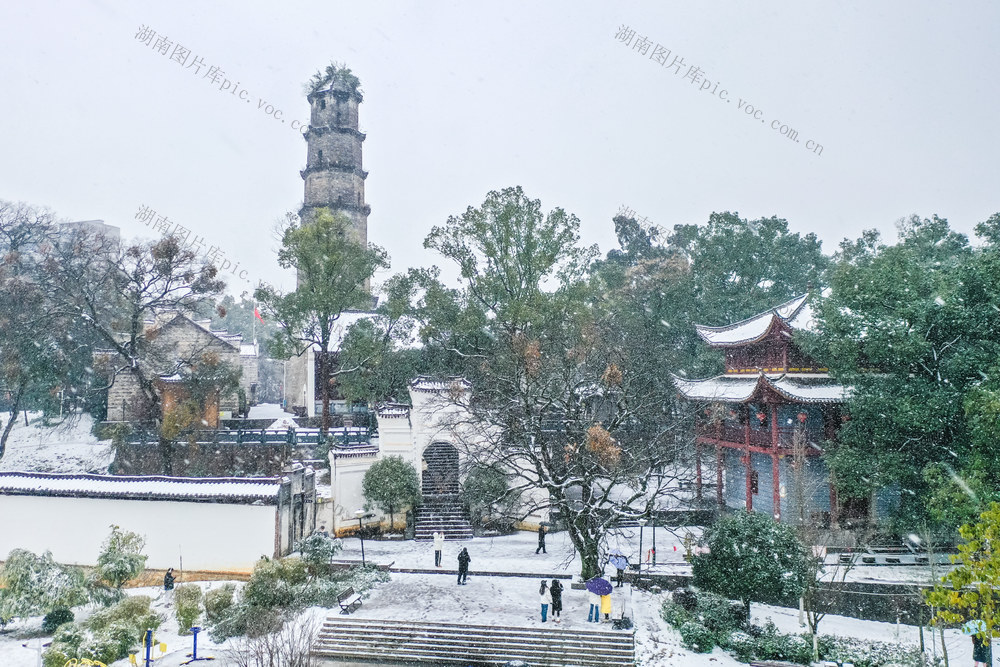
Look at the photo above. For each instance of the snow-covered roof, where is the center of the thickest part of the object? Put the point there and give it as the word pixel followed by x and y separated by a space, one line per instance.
pixel 819 388
pixel 245 490
pixel 431 384
pixel 392 410
pixel 796 314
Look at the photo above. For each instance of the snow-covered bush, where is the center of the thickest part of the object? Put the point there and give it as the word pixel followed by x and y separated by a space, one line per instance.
pixel 317 552
pixel 741 645
pixel 686 598
pixel 218 601
pixel 697 637
pixel 675 614
pixel 121 559
pixel 108 635
pixel 187 598
pixel 55 618
pixel 865 653
pixel 34 585
pixel 719 614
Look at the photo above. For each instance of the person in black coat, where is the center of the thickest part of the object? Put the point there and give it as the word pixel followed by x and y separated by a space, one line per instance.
pixel 463 565
pixel 541 540
pixel 556 590
pixel 168 584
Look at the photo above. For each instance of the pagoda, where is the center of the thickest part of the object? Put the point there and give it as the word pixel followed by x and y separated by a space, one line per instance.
pixel 768 418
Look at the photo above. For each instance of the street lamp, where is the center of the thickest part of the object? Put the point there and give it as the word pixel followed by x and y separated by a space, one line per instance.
pixel 642 524
pixel 361 515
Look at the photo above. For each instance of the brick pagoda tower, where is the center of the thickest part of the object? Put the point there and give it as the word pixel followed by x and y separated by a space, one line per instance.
pixel 333 175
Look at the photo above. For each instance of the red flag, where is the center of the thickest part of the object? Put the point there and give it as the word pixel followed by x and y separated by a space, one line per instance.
pixel 257 315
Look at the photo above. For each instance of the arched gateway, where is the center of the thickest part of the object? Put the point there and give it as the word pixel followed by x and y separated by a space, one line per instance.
pixel 441 507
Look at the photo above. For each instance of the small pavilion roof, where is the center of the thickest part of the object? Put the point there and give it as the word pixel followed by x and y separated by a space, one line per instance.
pixel 818 388
pixel 795 314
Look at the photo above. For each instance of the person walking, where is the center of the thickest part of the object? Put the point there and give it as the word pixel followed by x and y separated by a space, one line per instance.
pixel 555 590
pixel 541 540
pixel 168 584
pixel 595 608
pixel 438 548
pixel 463 566
pixel 545 597
pixel 982 650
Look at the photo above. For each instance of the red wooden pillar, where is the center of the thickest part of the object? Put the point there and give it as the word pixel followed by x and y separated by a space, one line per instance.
pixel 775 471
pixel 697 468
pixel 718 474
pixel 747 467
pixel 776 479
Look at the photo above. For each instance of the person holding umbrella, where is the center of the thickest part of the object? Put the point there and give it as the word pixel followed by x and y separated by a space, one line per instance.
pixel 982 651
pixel 598 587
pixel 620 563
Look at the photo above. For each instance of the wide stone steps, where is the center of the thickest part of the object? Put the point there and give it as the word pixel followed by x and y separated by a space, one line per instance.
pixel 444 514
pixel 453 643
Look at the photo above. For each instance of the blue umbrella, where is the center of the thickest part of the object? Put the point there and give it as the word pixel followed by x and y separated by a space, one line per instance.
pixel 973 627
pixel 619 562
pixel 599 586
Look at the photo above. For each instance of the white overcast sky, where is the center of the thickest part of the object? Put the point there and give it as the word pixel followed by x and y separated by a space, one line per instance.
pixel 465 97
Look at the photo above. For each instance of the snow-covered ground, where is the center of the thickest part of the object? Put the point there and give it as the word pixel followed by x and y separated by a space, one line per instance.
pixel 66 447
pixel 511 600
pixel 269 411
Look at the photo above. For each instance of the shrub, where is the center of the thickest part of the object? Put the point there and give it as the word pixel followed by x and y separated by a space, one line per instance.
pixel 218 601
pixel 742 645
pixel 720 614
pixel 697 637
pixel 133 611
pixel 675 614
pixel 55 618
pixel 686 598
pixel 53 657
pixel 871 653
pixel 317 552
pixel 121 559
pixel 35 585
pixel 272 582
pixel 102 648
pixel 188 606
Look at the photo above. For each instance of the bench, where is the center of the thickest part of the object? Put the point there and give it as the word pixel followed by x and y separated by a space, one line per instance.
pixel 349 601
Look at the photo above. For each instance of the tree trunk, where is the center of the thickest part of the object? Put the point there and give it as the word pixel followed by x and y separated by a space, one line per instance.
pixel 13 417
pixel 324 373
pixel 166 447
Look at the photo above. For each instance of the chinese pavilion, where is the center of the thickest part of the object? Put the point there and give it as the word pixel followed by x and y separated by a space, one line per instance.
pixel 767 419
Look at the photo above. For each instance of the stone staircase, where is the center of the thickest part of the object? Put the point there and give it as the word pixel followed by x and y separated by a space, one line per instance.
pixel 443 514
pixel 357 639
pixel 441 508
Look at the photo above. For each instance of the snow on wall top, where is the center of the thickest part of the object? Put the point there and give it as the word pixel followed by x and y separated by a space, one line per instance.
pixel 246 490
pixel 392 410
pixel 795 313
pixel 426 383
pixel 740 389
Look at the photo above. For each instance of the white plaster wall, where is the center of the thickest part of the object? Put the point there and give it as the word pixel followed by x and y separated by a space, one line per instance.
pixel 209 536
pixel 346 495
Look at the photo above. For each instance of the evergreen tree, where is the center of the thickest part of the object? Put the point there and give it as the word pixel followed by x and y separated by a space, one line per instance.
pixel 391 483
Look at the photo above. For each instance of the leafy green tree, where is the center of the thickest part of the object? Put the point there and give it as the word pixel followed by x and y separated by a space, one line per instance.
pixel 333 269
pixel 753 558
pixel 121 560
pixel 487 493
pixel 34 585
pixel 391 483
pixel 912 328
pixel 969 591
pixel 318 552
pixel 558 383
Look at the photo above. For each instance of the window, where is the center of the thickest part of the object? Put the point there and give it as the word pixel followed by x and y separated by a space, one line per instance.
pixel 322 104
pixel 754 482
pixel 321 156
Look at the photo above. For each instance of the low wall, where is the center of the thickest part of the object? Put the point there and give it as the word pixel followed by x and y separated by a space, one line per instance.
pixel 204 535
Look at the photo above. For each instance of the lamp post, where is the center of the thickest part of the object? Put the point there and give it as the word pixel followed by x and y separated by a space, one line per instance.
pixel 361 515
pixel 653 521
pixel 642 524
